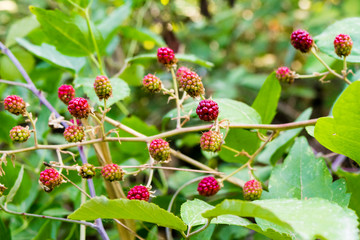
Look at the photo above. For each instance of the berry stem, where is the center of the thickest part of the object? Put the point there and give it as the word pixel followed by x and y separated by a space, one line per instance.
pixel 33 125
pixel 328 68
pixel 178 120
pixel 251 159
pixel 101 125
pixel 151 174
pixel 207 224
pixel 79 188
pixel 238 153
pixel 311 75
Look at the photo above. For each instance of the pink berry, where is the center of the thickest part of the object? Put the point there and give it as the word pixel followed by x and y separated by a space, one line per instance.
pixel 252 190
pixel 159 149
pixel 112 172
pixel 79 107
pixel 191 83
pixel 19 134
pixel 102 87
pixel 343 45
pixel 211 141
pixel 166 56
pixel 15 104
pixel 139 193
pixel 74 133
pixel 49 179
pixel 284 74
pixel 66 93
pixel 301 40
pixel 180 72
pixel 152 83
pixel 208 186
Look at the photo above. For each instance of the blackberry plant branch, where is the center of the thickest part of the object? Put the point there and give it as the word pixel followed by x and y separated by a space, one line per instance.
pixel 43 100
pixel 313 50
pixel 178 120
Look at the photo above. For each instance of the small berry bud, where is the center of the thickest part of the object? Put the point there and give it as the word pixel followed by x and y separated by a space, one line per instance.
pixel 79 107
pixel 112 172
pixel 207 110
pixel 87 171
pixel 191 83
pixel 208 187
pixel 2 189
pixel 49 179
pixel 19 134
pixel 159 150
pixel 74 133
pixel 152 83
pixel 103 88
pixel 180 72
pixel 166 56
pixel 301 40
pixel 15 104
pixel 211 141
pixel 284 74
pixel 343 45
pixel 66 93
pixel 252 190
pixel 139 193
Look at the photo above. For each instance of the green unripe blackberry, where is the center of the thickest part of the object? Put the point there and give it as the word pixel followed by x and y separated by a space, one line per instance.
pixel 19 134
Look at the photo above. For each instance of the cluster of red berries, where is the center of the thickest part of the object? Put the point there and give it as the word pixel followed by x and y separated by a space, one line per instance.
pixel 139 193
pixel 208 186
pixel 302 41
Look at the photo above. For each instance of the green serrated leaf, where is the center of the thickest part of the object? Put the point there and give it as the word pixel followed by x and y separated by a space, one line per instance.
pixel 234 111
pixel 50 54
pixel 62 31
pixel 307 219
pixel 267 99
pixel 352 182
pixel 340 133
pixel 16 186
pixel 304 176
pixel 275 149
pixel 21 28
pixel 350 26
pixel 101 207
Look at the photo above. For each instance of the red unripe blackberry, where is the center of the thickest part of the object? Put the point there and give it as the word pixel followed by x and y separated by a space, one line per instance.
pixel 159 150
pixel 207 110
pixel 343 45
pixel 112 172
pixel 15 104
pixel 252 190
pixel 301 40
pixel 191 83
pixel 74 133
pixel 79 107
pixel 66 93
pixel 152 83
pixel 166 56
pixel 19 134
pixel 2 189
pixel 139 193
pixel 49 179
pixel 208 186
pixel 284 74
pixel 87 171
pixel 180 72
pixel 102 87
pixel 211 141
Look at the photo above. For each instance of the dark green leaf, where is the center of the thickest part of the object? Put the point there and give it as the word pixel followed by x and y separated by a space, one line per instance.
pixel 63 33
pixel 304 176
pixel 20 29
pixel 352 181
pixel 16 186
pixel 5 231
pixel 50 54
pixel 101 207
